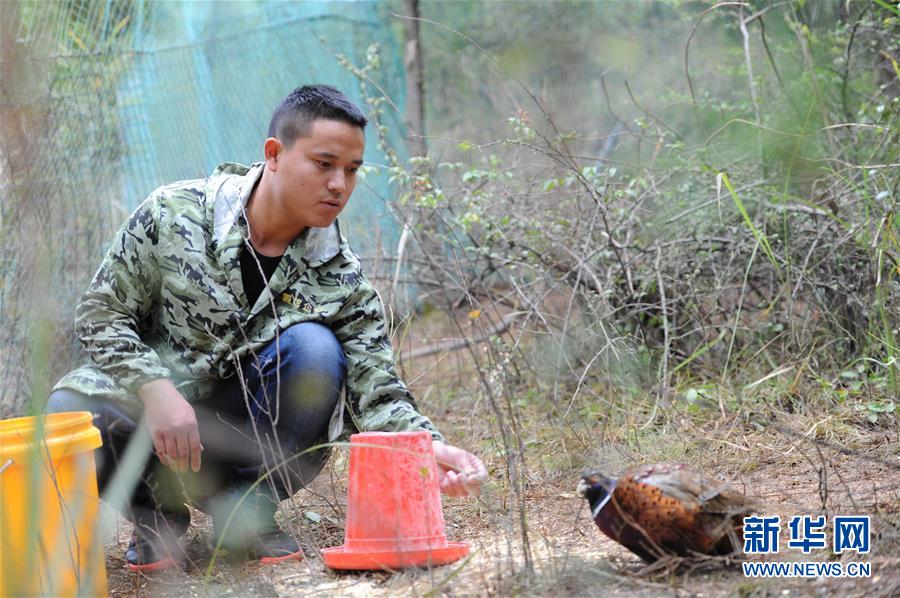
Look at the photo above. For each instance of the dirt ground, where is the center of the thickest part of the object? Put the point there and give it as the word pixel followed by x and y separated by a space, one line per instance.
pixel 844 467
pixel 570 556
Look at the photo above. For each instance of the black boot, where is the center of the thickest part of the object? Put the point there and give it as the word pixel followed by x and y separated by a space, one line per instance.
pixel 154 544
pixel 275 547
pixel 245 527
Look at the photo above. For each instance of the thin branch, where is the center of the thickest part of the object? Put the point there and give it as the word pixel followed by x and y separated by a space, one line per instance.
pixel 609 106
pixel 751 84
pixel 651 115
pixel 687 45
pixel 847 56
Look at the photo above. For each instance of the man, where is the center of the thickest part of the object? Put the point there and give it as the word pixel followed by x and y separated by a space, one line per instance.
pixel 225 322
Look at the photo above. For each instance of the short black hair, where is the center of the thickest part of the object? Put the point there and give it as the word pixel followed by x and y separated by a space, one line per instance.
pixel 293 117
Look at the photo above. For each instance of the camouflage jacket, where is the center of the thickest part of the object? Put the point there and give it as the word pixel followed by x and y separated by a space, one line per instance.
pixel 168 302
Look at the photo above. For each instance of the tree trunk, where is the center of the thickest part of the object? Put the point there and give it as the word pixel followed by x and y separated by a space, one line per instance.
pixel 415 80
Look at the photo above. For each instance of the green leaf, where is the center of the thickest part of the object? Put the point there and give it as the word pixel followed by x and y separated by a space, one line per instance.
pixel 763 241
pixel 879 407
pixel 890 7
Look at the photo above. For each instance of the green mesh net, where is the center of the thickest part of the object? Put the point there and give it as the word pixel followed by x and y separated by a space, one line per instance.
pixel 104 100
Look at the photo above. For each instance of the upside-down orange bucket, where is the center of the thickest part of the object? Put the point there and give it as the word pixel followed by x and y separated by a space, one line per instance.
pixel 394 516
pixel 50 543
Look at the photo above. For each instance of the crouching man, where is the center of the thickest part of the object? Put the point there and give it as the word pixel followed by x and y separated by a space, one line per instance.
pixel 231 324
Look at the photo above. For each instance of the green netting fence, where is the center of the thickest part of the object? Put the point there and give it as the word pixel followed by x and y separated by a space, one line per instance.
pixel 102 101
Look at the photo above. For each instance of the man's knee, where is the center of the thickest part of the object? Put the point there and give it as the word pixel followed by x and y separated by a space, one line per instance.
pixel 63 399
pixel 311 347
pixel 115 426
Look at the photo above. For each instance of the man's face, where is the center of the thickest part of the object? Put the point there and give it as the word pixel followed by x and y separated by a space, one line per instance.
pixel 314 178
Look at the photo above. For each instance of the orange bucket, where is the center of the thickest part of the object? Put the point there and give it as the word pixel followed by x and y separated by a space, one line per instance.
pixel 49 539
pixel 394 516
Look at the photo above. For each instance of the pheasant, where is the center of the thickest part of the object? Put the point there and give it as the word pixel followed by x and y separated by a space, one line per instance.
pixel 667 509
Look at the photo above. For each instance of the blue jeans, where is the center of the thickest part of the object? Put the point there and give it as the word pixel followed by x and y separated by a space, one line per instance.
pixel 290 396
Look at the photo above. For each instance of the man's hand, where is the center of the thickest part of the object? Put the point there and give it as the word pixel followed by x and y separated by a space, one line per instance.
pixel 460 472
pixel 172 424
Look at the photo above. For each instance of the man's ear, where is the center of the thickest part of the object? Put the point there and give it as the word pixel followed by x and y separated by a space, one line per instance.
pixel 272 149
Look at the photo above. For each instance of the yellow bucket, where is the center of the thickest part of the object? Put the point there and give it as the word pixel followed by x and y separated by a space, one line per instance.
pixel 50 541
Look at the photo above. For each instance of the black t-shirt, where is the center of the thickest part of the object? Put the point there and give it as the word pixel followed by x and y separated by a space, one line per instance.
pixel 254 283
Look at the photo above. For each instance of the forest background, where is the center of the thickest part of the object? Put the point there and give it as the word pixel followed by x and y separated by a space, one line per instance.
pixel 621 231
